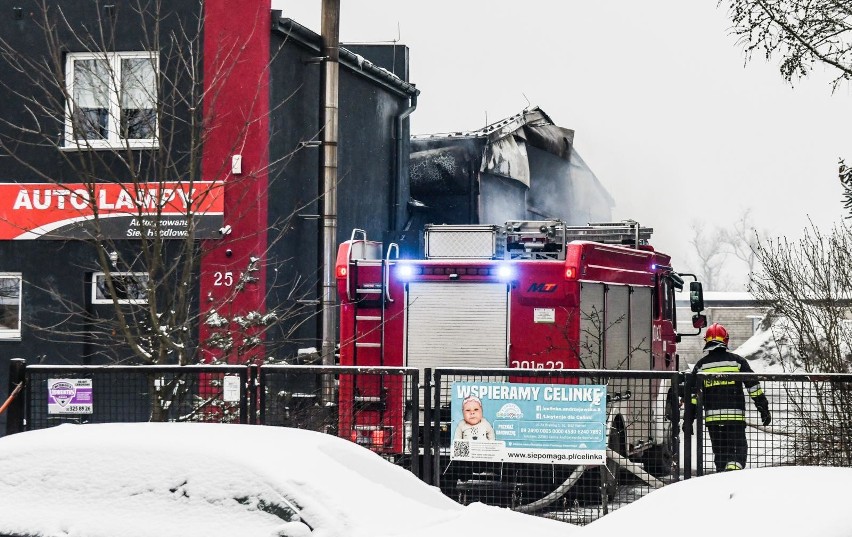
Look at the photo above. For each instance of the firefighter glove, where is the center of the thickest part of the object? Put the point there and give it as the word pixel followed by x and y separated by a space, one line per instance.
pixel 763 407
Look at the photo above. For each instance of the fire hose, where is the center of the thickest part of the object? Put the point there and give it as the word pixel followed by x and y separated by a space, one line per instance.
pixel 15 392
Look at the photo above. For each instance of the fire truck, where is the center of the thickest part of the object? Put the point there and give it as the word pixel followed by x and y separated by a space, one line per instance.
pixel 527 294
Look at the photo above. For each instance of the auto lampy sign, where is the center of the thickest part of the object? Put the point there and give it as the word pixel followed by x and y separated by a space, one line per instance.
pixel 111 210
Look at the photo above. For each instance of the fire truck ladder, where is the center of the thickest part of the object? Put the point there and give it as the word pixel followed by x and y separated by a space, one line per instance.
pixel 626 232
pixel 371 295
pixel 546 239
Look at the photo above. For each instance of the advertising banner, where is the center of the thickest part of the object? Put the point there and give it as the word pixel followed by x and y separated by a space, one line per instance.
pixel 110 210
pixel 528 423
pixel 69 396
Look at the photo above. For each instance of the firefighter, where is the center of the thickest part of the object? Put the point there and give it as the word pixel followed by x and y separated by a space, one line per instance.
pixel 724 402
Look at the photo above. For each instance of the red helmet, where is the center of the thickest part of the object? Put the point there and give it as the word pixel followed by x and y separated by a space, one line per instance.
pixel 716 332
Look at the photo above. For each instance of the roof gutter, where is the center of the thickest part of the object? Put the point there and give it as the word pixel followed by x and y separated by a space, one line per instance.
pixel 400 175
pixel 347 59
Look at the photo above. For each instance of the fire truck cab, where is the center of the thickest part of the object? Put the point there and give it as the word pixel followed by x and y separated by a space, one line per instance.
pixel 528 294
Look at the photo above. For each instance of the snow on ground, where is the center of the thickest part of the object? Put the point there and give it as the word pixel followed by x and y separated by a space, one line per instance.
pixel 210 480
pixel 783 501
pixel 154 479
pixel 140 480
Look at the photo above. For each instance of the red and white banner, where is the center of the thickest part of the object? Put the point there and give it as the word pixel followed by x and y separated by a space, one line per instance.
pixel 110 210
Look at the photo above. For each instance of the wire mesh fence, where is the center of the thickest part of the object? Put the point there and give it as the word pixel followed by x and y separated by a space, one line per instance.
pixel 374 407
pixel 811 423
pixel 534 461
pixel 97 394
pixel 545 450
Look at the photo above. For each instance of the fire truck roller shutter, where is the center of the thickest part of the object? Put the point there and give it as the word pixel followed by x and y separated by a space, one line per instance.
pixel 644 392
pixel 615 333
pixel 456 324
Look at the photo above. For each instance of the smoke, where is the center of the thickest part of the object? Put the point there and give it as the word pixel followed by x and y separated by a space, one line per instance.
pixel 567 190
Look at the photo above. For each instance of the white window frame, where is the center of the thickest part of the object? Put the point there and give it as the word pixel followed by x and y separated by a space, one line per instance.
pixel 102 298
pixel 113 139
pixel 755 322
pixel 14 333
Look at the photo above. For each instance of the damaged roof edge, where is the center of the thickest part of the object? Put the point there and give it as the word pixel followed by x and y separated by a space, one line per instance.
pixel 531 125
pixel 308 38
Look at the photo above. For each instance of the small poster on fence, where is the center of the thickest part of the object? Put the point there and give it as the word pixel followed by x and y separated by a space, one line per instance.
pixel 69 396
pixel 528 423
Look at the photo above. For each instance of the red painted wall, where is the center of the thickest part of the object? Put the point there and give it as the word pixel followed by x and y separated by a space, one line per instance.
pixel 236 115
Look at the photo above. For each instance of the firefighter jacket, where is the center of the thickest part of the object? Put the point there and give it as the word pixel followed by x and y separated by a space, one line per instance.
pixel 723 398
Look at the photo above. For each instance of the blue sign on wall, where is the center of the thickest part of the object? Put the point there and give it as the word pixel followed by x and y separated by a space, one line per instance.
pixel 529 423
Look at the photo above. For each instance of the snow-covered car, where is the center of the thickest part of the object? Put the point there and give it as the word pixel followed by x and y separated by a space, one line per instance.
pixel 188 479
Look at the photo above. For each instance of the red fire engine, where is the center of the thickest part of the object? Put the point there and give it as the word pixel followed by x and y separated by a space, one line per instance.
pixel 529 294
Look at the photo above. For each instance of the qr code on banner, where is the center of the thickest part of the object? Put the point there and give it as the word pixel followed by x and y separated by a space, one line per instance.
pixel 461 448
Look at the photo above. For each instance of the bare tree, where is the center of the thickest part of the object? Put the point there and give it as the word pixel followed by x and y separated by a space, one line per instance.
pixel 808 283
pixel 845 173
pixel 801 33
pixel 707 248
pixel 741 241
pixel 809 289
pixel 717 248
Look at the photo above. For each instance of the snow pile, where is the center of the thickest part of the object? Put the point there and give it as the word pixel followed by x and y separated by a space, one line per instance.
pixel 775 346
pixel 770 349
pixel 211 480
pixel 780 502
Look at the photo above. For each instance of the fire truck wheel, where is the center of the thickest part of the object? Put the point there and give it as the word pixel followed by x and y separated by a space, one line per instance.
pixel 658 461
pixel 617 442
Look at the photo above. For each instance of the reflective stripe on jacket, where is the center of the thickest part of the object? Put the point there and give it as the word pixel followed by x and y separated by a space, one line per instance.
pixel 723 398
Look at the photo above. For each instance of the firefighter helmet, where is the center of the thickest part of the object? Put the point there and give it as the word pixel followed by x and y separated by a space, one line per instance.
pixel 716 332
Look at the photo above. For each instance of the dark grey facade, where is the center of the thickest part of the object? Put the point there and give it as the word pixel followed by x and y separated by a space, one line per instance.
pixel 373 153
pixel 372 161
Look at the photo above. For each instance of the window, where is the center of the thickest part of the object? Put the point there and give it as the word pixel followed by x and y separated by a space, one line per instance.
pixel 10 305
pixel 755 322
pixel 113 100
pixel 130 288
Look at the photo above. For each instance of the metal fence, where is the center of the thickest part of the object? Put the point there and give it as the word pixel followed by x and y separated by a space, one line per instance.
pixel 811 422
pixel 132 394
pixel 411 423
pixel 640 435
pixel 372 406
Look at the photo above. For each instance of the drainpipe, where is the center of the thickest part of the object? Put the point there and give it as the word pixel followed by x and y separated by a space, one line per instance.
pixel 400 164
pixel 328 168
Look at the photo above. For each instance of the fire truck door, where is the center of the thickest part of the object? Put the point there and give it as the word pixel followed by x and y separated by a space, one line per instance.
pixel 456 324
pixel 643 396
pixel 615 333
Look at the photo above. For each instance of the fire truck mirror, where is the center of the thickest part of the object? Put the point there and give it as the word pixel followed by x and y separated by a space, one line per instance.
pixel 699 321
pixel 696 297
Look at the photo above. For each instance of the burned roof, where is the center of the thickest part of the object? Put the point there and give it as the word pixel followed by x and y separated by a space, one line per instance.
pixel 532 125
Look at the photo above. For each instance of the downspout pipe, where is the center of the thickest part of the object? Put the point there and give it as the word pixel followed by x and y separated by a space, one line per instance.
pixel 328 181
pixel 396 184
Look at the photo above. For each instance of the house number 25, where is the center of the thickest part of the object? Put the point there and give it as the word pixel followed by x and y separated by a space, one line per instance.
pixel 225 279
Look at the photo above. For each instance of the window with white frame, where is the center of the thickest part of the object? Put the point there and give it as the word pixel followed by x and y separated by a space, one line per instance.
pixel 112 100
pixel 10 305
pixel 128 287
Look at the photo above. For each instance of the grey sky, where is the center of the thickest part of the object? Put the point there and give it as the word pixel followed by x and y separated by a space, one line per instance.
pixel 666 113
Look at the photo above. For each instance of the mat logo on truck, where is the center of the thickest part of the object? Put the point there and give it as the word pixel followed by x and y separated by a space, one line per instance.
pixel 542 288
